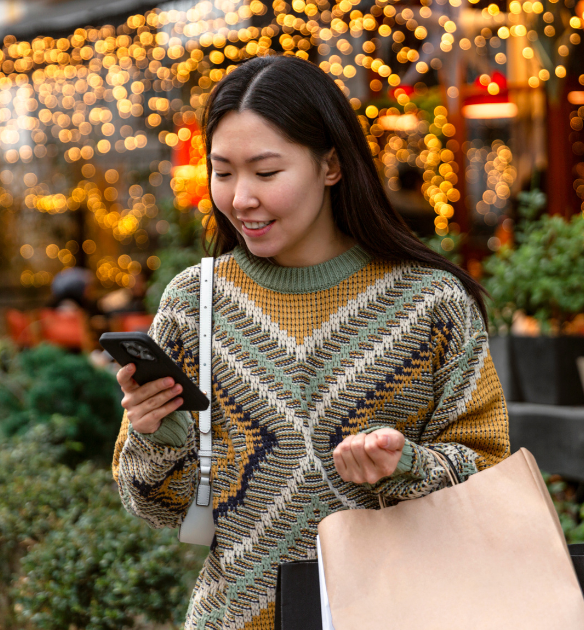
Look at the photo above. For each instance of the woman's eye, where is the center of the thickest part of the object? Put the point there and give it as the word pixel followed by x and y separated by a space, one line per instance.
pixel 222 175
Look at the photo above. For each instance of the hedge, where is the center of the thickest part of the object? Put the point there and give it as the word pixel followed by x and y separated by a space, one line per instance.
pixel 70 556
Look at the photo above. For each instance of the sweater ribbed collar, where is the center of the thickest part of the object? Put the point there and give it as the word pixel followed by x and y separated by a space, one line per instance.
pixel 302 279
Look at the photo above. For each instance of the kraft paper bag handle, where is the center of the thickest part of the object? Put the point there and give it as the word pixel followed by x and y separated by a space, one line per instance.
pixel 454 480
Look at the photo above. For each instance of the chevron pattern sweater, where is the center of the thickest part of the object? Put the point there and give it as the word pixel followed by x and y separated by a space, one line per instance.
pixel 302 358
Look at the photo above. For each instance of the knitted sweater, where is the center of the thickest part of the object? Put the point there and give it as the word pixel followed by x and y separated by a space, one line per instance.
pixel 302 358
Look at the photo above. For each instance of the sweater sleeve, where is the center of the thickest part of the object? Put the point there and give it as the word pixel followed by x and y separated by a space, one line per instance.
pixel 468 423
pixel 156 473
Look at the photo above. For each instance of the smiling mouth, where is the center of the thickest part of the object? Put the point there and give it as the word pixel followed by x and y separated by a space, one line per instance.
pixel 256 225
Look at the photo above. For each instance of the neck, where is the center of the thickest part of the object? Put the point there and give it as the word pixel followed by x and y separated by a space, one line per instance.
pixel 316 252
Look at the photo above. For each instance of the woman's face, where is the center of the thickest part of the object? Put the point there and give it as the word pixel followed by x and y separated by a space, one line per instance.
pixel 270 190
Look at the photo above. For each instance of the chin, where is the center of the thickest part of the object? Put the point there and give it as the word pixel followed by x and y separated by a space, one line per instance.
pixel 262 250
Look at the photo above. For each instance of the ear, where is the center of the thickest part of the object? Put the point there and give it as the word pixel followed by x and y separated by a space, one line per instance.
pixel 333 172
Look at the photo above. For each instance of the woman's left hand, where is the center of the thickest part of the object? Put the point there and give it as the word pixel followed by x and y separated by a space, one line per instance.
pixel 367 458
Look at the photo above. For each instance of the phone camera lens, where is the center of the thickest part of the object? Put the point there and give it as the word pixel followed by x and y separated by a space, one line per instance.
pixel 138 350
pixel 131 349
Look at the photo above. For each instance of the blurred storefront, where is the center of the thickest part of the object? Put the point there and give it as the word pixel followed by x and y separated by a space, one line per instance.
pixel 464 105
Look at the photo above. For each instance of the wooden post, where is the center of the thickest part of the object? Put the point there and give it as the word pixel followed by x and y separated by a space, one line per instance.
pixel 558 179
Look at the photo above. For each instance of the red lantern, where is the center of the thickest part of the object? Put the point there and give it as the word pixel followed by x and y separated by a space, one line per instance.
pixel 484 104
pixel 189 167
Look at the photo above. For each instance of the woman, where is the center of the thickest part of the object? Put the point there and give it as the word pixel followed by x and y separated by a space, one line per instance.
pixel 345 352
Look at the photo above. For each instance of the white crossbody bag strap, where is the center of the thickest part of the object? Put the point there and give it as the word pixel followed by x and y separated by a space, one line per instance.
pixel 198 527
pixel 205 434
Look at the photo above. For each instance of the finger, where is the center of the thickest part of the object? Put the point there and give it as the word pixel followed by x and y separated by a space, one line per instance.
pixel 368 471
pixel 385 461
pixel 390 439
pixel 340 463
pixel 339 459
pixel 353 469
pixel 124 376
pixel 152 420
pixel 136 397
pixel 157 401
pixel 358 450
pixel 148 390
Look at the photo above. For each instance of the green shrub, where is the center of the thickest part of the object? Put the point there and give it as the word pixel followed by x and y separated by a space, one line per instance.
pixel 530 207
pixel 542 277
pixel 564 495
pixel 70 555
pixel 180 247
pixel 46 380
pixel 100 573
pixel 172 262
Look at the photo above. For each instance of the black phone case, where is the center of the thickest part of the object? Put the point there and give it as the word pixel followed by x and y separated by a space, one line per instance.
pixel 151 364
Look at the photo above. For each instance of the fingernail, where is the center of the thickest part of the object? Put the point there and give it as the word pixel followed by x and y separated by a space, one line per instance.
pixel 168 381
pixel 130 367
pixel 176 388
pixel 385 441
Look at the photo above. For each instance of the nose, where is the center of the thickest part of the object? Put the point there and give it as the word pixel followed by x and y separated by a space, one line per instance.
pixel 243 196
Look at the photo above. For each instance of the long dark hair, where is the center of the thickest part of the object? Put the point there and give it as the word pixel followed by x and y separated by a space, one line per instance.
pixel 308 108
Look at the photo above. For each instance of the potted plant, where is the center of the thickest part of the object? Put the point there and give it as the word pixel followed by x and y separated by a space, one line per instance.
pixel 537 291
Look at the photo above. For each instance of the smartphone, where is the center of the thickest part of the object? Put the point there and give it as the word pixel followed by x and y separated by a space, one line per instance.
pixel 151 364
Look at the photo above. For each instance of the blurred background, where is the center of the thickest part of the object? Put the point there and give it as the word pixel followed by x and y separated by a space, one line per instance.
pixel 474 113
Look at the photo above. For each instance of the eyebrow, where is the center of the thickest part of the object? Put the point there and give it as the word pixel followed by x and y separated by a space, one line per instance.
pixel 256 158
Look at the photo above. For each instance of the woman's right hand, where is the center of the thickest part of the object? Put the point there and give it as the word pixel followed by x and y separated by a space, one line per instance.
pixel 147 404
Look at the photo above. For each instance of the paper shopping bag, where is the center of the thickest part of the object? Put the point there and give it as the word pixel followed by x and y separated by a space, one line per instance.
pixel 488 554
pixel 577 555
pixel 298 596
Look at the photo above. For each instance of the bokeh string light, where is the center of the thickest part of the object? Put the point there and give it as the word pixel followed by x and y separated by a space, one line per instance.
pixel 491 173
pixel 440 174
pixel 111 93
pixel 577 137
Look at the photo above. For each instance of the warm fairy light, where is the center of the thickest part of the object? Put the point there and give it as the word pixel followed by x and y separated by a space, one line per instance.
pixel 27 251
pixel 97 96
pixel 399 122
pixel 153 262
pixel 518 31
pixel 89 246
pixel 577 125
pixel 515 7
pixel 576 97
pixel 439 165
pixel 111 176
pixel 490 171
pixel 485 111
pixel 371 112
